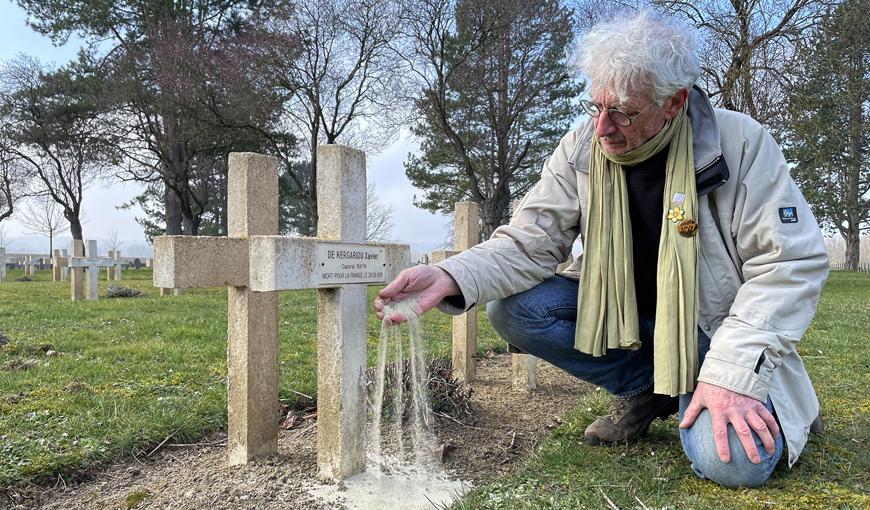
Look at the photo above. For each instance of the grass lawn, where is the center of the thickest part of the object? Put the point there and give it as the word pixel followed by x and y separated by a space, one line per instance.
pixel 130 372
pixel 833 471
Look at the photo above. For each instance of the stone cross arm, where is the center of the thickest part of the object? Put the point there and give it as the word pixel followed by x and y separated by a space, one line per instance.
pixel 271 263
pixel 60 259
pixel 182 262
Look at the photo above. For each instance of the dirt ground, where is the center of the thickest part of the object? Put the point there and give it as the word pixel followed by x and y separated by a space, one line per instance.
pixel 503 427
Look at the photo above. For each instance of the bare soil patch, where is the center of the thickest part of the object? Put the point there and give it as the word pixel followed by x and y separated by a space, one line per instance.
pixel 504 426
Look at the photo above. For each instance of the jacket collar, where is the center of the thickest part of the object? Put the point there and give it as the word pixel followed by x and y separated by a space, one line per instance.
pixel 711 171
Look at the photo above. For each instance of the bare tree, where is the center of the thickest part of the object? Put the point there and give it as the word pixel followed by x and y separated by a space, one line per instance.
pixel 177 70
pixel 750 49
pixel 198 107
pixel 43 216
pixel 113 240
pixel 344 83
pixel 587 13
pixel 379 217
pixel 2 237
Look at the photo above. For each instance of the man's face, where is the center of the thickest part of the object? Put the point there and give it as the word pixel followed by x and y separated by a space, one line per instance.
pixel 617 140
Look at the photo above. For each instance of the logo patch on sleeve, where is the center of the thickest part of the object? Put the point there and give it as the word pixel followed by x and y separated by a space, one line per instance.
pixel 788 214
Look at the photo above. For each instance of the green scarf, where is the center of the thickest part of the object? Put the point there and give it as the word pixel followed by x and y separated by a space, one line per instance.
pixel 607 315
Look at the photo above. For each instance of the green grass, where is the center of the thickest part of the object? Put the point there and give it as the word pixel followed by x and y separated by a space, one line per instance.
pixel 833 471
pixel 130 372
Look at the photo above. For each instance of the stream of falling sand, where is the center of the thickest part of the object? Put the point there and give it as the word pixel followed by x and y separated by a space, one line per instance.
pixel 407 480
pixel 422 439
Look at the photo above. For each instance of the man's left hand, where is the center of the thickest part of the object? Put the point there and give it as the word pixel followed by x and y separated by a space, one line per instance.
pixel 744 413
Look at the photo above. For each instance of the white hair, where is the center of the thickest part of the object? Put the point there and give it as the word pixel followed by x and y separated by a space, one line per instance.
pixel 645 54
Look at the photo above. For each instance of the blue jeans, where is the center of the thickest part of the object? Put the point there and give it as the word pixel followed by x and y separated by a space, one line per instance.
pixel 542 320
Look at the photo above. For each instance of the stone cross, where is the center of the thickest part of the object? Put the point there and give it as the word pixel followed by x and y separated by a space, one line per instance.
pixel 466 233
pixel 76 277
pixel 30 265
pixel 113 273
pixel 255 263
pixel 64 270
pixel 2 264
pixel 440 255
pixel 252 317
pixel 59 265
pixel 164 291
pixel 92 264
pixel 524 367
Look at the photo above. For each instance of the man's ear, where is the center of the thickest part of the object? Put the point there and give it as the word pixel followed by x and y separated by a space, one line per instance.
pixel 673 104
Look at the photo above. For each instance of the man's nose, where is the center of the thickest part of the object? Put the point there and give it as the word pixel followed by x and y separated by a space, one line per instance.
pixel 604 126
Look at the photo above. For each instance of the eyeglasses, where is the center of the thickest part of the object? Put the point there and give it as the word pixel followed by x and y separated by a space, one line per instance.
pixel 618 117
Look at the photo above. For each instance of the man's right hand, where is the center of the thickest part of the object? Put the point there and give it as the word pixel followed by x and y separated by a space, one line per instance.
pixel 427 284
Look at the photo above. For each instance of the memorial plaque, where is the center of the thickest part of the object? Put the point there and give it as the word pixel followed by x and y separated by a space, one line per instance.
pixel 340 264
pixel 91 262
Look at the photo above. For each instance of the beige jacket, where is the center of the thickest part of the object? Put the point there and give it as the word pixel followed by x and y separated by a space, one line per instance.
pixel 760 272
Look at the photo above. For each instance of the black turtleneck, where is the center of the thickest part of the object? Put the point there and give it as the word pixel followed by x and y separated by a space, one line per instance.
pixel 645 184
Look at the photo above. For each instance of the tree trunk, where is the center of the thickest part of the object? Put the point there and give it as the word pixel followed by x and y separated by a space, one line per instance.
pixel 488 221
pixel 189 222
pixel 312 191
pixel 853 186
pixel 853 247
pixel 172 212
pixel 496 212
pixel 75 228
pixel 224 191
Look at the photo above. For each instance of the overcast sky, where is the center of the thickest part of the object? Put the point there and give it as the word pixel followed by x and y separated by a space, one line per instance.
pixel 385 170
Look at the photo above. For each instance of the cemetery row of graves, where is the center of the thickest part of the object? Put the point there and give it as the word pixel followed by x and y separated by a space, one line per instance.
pixel 87 382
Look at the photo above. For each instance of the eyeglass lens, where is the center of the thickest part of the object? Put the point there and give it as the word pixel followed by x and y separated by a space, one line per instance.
pixel 616 116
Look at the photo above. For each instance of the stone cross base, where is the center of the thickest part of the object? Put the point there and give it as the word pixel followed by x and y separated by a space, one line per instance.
pixel 76 280
pixel 252 392
pixel 524 372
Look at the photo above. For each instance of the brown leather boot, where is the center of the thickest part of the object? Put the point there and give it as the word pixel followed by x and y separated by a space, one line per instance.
pixel 630 418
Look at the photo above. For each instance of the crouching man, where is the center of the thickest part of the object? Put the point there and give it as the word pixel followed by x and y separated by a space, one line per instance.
pixel 701 270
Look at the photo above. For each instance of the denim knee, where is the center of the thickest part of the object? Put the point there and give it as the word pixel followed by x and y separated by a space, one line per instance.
pixel 498 315
pixel 504 316
pixel 700 448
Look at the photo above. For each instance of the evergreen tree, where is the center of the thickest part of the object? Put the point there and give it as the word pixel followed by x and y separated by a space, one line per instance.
pixel 829 124
pixel 496 98
pixel 54 126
